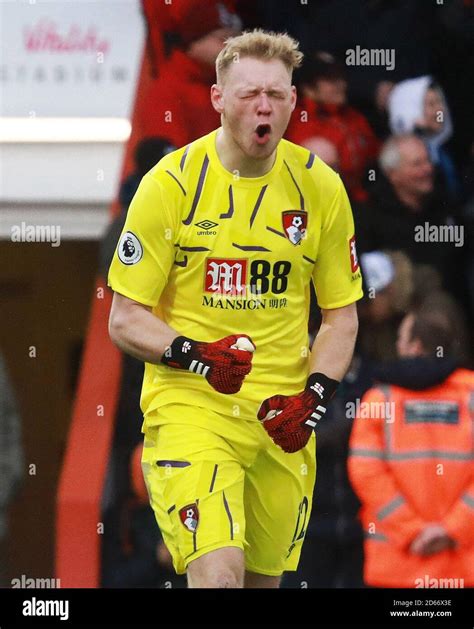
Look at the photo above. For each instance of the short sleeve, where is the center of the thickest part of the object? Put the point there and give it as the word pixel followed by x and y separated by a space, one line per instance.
pixel 336 276
pixel 145 251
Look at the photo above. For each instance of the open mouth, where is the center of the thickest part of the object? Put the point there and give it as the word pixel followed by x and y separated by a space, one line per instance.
pixel 263 132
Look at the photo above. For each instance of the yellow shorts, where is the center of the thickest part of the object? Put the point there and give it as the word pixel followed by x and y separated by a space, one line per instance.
pixel 216 481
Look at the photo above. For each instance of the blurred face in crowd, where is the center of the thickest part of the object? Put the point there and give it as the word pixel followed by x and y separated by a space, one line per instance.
pixel 406 346
pixel 205 49
pixel 433 112
pixel 255 99
pixel 414 174
pixel 324 149
pixel 380 308
pixel 327 91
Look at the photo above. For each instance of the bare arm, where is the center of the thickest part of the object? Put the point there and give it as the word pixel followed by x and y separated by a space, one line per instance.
pixel 333 347
pixel 137 331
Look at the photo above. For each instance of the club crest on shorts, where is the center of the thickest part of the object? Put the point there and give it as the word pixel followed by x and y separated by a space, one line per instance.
pixel 294 225
pixel 189 516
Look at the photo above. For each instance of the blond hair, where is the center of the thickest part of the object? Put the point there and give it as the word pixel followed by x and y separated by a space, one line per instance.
pixel 259 44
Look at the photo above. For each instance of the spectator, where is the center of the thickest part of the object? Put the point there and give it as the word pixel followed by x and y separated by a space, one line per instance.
pixel 402 203
pixel 334 557
pixel 411 463
pixel 389 286
pixel 453 43
pixel 419 106
pixel 442 301
pixel 339 26
pixel 179 105
pixel 324 149
pixel 11 459
pixel 323 111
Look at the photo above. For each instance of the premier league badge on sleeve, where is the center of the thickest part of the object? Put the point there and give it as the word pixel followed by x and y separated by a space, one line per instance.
pixel 130 250
pixel 294 225
pixel 189 516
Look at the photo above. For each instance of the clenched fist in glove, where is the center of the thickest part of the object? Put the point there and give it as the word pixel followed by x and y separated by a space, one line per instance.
pixel 290 419
pixel 223 363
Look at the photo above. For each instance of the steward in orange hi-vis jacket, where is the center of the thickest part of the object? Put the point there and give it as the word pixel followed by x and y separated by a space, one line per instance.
pixel 411 464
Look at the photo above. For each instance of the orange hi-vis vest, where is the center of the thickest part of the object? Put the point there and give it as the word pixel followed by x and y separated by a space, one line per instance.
pixel 411 464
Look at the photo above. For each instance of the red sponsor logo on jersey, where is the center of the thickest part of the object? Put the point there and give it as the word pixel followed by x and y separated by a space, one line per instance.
pixel 189 516
pixel 353 254
pixel 225 276
pixel 294 225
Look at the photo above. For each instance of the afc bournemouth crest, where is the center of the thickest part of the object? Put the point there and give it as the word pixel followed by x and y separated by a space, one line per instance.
pixel 189 516
pixel 294 225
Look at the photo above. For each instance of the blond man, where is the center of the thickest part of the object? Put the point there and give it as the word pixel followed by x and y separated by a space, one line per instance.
pixel 212 281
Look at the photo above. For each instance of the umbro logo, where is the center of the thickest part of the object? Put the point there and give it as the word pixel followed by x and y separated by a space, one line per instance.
pixel 206 227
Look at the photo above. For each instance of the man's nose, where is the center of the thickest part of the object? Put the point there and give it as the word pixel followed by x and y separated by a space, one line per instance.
pixel 264 105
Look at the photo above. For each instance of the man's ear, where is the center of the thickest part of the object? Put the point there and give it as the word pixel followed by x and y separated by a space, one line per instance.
pixel 293 97
pixel 417 347
pixel 217 98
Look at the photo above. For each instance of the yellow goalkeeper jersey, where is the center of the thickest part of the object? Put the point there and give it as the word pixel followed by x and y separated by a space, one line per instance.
pixel 215 254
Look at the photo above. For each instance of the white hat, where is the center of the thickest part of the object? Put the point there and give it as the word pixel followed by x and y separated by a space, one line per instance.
pixel 378 270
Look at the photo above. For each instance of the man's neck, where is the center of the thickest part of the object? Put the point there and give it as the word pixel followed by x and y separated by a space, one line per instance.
pixel 413 201
pixel 235 161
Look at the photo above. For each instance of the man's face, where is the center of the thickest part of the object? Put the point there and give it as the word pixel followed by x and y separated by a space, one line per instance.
pixel 414 174
pixel 256 99
pixel 324 149
pixel 330 91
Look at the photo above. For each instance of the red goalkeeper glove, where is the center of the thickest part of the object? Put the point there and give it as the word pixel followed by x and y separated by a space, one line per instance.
pixel 290 419
pixel 222 364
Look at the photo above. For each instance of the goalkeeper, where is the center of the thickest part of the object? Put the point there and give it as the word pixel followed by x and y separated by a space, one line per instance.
pixel 212 279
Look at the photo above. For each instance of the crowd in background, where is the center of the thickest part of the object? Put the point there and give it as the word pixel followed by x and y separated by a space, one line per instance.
pixel 401 140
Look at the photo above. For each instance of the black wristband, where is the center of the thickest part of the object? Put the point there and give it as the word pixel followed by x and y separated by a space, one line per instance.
pixel 323 386
pixel 183 354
